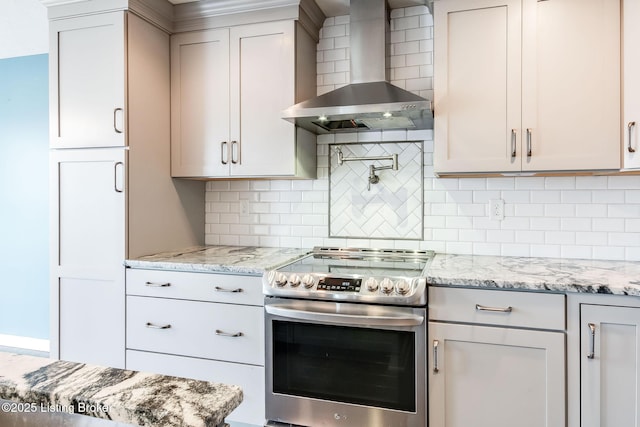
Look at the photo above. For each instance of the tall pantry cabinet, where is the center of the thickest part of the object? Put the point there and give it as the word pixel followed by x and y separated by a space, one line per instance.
pixel 111 193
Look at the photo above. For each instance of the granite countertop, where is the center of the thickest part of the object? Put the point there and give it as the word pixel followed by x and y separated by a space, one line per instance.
pixel 220 259
pixel 119 395
pixel 536 274
pixel 521 273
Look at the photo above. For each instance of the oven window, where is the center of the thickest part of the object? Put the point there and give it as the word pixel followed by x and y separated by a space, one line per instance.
pixel 373 367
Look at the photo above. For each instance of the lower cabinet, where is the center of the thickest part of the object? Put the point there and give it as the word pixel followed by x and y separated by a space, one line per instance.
pixel 495 370
pixel 204 326
pixel 609 356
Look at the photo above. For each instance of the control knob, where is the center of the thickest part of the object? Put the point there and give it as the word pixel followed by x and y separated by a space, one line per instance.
pixel 307 281
pixel 403 287
pixel 386 286
pixel 280 279
pixel 371 284
pixel 294 280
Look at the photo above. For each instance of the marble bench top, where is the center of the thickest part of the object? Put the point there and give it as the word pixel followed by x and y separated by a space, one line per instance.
pixel 120 395
pixel 536 274
pixel 220 259
pixel 518 273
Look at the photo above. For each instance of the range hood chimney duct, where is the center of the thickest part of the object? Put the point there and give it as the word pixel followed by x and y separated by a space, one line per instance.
pixel 370 102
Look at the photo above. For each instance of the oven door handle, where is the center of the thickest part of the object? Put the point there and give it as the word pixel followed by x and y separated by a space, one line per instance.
pixel 345 317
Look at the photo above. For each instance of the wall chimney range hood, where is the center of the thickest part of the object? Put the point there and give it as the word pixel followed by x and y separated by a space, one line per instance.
pixel 370 102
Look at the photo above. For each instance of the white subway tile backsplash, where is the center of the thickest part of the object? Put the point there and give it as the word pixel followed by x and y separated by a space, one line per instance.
pixel 545 251
pixel 577 217
pixel 607 196
pixel 608 252
pixel 560 237
pixel 405 23
pixel 591 238
pixel 608 224
pixel 405 48
pixel 577 252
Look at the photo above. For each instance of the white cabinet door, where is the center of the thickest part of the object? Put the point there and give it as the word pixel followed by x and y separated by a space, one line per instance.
pixel 495 377
pixel 631 85
pixel 477 95
pixel 229 87
pixel 571 84
pixel 87 252
pixel 87 73
pixel 526 85
pixel 200 104
pixel 262 85
pixel 610 376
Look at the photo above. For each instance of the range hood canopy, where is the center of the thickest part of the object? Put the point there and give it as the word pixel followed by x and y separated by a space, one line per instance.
pixel 370 102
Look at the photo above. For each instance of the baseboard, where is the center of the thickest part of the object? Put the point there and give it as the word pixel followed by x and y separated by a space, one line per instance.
pixel 27 343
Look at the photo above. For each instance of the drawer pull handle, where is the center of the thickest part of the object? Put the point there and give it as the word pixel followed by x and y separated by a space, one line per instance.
pixel 435 356
pixel 592 341
pixel 153 326
pixel 157 285
pixel 236 290
pixel 228 334
pixel 494 309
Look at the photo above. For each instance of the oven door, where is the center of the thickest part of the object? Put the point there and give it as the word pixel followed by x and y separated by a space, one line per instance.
pixel 344 364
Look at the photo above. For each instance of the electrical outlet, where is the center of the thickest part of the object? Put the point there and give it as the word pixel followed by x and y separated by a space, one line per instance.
pixel 496 209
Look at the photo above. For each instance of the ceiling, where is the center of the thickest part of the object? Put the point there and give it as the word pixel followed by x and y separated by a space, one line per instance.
pixel 341 7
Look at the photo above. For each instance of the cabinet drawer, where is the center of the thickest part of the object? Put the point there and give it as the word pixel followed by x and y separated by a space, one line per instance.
pixel 195 286
pixel 197 329
pixel 250 378
pixel 527 309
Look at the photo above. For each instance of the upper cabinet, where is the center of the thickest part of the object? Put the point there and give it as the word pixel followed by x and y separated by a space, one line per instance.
pixel 526 86
pixel 229 87
pixel 87 77
pixel 631 85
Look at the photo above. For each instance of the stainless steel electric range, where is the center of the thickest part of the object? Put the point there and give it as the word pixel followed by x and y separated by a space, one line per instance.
pixel 346 339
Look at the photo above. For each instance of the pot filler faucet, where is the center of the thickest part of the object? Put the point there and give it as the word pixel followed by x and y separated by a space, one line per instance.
pixel 373 178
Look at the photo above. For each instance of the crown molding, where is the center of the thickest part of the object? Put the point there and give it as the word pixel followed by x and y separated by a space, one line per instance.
pixel 198 15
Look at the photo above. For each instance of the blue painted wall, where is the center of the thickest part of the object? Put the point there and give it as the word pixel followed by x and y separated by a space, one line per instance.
pixel 24 196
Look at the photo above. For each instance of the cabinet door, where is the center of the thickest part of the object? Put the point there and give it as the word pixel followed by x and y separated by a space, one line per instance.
pixel 571 84
pixel 495 377
pixel 631 85
pixel 87 81
pixel 200 104
pixel 610 380
pixel 477 94
pixel 262 85
pixel 87 255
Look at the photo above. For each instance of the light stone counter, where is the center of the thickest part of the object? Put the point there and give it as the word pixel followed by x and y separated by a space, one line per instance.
pixel 536 274
pixel 37 384
pixel 220 259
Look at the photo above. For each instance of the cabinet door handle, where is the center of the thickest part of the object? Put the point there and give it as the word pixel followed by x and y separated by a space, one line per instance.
pixel 115 125
pixel 234 159
pixel 236 290
pixel 223 150
pixel 529 131
pixel 494 309
pixel 228 334
pixel 629 127
pixel 513 143
pixel 436 343
pixel 154 326
pixel 157 285
pixel 118 189
pixel 592 341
